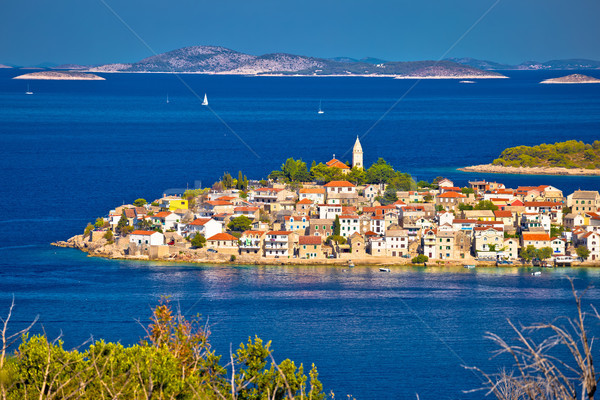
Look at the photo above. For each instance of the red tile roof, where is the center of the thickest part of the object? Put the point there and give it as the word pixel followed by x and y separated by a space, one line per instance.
pixel 219 203
pixel 305 201
pixel 162 214
pixel 502 214
pixel 223 236
pixel 309 240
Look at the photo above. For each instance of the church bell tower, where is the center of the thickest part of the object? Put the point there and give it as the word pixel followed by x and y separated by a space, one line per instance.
pixel 357 155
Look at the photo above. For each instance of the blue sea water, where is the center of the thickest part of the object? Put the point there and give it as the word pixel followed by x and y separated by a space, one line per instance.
pixel 73 150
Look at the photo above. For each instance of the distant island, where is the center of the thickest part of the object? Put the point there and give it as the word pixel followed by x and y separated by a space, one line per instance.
pixel 562 158
pixel 220 60
pixel 61 75
pixel 5 66
pixel 552 65
pixel 573 78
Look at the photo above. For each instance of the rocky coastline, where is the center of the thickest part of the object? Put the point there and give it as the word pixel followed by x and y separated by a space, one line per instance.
pixel 61 76
pixel 500 169
pixel 571 79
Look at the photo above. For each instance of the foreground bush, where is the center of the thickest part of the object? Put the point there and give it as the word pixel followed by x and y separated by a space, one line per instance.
pixel 174 361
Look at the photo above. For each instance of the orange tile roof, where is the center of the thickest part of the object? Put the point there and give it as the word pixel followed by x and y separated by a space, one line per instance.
pixel 163 214
pixel 502 214
pixel 337 164
pixel 451 195
pixel 144 233
pixel 314 191
pixel 200 221
pixel 223 236
pixel 219 203
pixel 284 233
pixel 260 233
pixel 243 208
pixel 541 204
pixel 535 236
pixel 267 190
pixel 305 201
pixel 340 184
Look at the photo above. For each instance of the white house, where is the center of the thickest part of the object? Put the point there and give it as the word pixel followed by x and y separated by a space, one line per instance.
pixel 165 220
pixel 329 211
pixel 151 238
pixel 207 227
pixel 317 195
pixel 349 224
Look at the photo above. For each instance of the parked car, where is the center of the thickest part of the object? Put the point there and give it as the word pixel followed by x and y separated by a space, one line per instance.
pixel 212 251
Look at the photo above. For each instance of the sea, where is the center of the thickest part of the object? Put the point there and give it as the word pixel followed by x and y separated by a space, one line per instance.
pixel 73 150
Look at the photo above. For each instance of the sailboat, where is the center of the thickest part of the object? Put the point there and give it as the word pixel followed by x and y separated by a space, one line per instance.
pixel 320 110
pixel 167 98
pixel 205 102
pixel 28 91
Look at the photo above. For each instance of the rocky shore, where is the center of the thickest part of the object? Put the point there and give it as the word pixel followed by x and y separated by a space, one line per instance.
pixel 499 169
pixel 61 76
pixel 118 251
pixel 573 78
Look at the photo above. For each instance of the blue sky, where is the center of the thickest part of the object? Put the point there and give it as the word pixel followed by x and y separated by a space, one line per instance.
pixel 85 32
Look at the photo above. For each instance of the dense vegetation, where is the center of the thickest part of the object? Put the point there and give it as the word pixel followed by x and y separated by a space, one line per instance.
pixel 174 361
pixel 296 171
pixel 569 154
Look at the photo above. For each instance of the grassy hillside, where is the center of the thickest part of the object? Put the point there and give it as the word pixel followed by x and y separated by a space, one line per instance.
pixel 569 154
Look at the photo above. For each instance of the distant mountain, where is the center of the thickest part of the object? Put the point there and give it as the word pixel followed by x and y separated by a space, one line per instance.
pixel 368 60
pixel 72 67
pixel 5 66
pixel 570 64
pixel 220 60
pixel 481 64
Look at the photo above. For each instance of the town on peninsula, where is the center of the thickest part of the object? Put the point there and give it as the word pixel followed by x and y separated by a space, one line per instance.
pixel 343 214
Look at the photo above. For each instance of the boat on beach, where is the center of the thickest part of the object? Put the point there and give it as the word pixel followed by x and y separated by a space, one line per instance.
pixel 382 269
pixel 469 266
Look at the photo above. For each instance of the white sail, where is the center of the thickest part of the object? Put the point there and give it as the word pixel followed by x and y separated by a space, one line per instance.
pixel 205 102
pixel 320 110
pixel 28 91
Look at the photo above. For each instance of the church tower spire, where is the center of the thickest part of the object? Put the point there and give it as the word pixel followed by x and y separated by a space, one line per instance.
pixel 357 155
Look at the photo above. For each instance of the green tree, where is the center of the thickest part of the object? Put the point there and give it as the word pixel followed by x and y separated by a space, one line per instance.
pixel 109 236
pixel 227 181
pixel 467 191
pixel 323 174
pixel 380 172
pixel 544 253
pixel 145 224
pixel 528 253
pixel 420 259
pixel 583 252
pixel 336 226
pixel 99 223
pixel 336 238
pixel 122 225
pixel 140 202
pixel 389 196
pixel 464 206
pixel 356 176
pixel 198 241
pixel 240 224
pixel 485 205
pixel 88 229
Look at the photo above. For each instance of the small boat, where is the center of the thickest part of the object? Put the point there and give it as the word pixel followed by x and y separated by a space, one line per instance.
pixel 466 81
pixel 384 269
pixel 350 264
pixel 469 266
pixel 205 102
pixel 320 109
pixel 536 273
pixel 28 91
pixel 167 98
